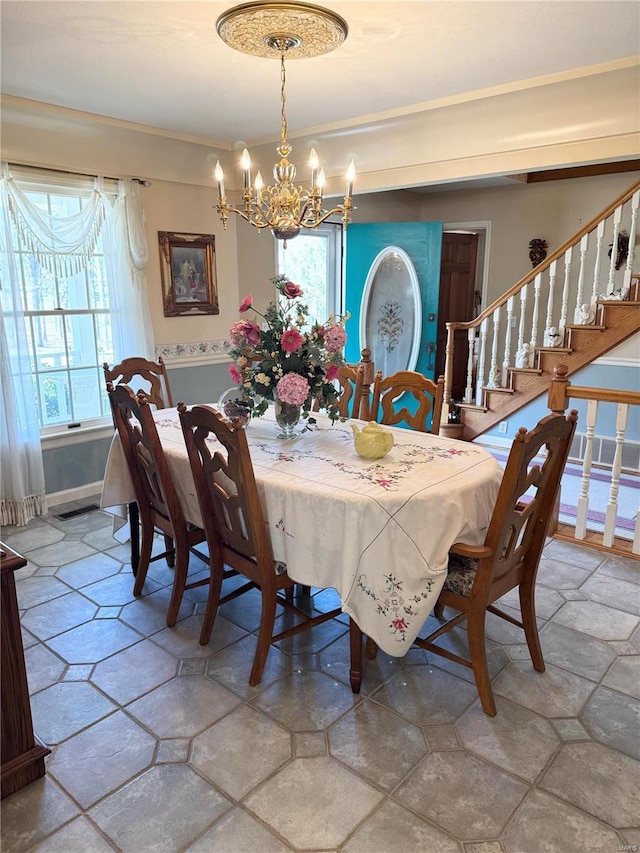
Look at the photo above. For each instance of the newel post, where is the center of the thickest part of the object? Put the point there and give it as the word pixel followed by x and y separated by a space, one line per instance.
pixel 558 400
pixel 448 374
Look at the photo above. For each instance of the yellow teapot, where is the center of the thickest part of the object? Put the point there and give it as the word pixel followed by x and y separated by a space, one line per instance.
pixel 372 442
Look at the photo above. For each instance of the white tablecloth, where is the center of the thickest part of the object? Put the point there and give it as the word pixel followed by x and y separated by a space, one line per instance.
pixel 378 532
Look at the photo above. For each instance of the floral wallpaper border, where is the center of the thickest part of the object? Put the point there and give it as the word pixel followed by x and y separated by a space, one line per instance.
pixel 194 352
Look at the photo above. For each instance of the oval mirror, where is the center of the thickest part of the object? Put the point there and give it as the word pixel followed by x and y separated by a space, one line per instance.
pixel 391 312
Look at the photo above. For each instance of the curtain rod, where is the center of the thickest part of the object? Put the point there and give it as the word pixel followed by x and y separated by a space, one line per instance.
pixel 140 181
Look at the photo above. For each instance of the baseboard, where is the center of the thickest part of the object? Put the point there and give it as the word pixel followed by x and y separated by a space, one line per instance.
pixel 76 494
pixel 492 441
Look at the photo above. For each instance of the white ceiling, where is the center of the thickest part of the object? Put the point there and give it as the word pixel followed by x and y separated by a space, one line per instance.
pixel 163 64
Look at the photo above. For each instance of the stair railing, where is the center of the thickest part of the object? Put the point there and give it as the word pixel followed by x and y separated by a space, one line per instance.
pixel 561 391
pixel 589 266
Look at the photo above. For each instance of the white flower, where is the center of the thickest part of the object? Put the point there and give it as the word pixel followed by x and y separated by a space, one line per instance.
pixel 263 379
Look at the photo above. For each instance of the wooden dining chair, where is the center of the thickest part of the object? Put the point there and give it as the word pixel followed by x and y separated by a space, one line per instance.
pixel 235 526
pixel 155 493
pixel 367 382
pixel 427 394
pixel 479 575
pixel 159 395
pixel 155 373
pixel 351 381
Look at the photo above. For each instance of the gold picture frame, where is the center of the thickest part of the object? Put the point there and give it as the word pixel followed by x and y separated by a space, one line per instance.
pixel 188 269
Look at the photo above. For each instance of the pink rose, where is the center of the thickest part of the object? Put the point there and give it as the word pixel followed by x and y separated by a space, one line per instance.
pixel 245 330
pixel 292 291
pixel 335 338
pixel 246 303
pixel 332 372
pixel 235 374
pixel 292 340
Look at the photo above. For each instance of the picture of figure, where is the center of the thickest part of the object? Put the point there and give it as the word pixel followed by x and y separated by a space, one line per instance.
pixel 188 265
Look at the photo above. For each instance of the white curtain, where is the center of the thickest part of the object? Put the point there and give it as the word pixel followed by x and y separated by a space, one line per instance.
pixel 63 245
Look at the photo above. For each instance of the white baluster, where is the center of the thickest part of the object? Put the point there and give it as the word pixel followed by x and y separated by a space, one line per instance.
pixel 548 322
pixel 596 270
pixel 537 284
pixel 612 506
pixel 506 362
pixel 628 270
pixel 583 500
pixel 565 290
pixel 468 391
pixel 481 360
pixel 523 311
pixel 584 245
pixel 495 378
pixel 617 220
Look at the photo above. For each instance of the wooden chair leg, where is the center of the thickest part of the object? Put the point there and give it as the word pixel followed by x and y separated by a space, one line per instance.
pixel 215 587
pixel 438 610
pixel 355 647
pixel 267 620
pixel 134 536
pixel 145 556
pixel 528 611
pixel 372 649
pixel 478 655
pixel 179 581
pixel 170 548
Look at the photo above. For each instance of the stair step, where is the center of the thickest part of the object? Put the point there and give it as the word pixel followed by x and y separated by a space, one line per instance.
pixel 582 327
pixel 554 349
pixel 500 390
pixel 621 302
pixel 536 370
pixel 472 407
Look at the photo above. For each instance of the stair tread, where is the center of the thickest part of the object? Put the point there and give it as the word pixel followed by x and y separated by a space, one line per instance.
pixel 499 390
pixel 472 407
pixel 624 302
pixel 591 326
pixel 537 370
pixel 554 349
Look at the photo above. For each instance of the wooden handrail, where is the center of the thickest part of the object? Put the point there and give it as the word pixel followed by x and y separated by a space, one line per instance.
pixel 561 391
pixel 573 241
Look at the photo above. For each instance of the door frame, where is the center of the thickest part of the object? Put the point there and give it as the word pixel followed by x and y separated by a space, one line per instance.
pixel 482 228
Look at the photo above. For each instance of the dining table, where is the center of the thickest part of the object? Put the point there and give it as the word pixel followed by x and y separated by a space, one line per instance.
pixel 377 531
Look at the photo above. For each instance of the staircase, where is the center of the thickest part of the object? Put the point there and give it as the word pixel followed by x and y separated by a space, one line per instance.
pixel 572 308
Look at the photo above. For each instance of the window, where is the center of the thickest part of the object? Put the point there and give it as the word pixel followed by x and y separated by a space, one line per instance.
pixel 313 260
pixel 67 323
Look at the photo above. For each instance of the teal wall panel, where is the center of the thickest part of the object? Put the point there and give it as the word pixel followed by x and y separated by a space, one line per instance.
pixel 199 383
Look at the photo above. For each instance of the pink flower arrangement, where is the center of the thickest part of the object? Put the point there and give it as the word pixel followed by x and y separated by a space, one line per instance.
pixel 288 356
pixel 293 389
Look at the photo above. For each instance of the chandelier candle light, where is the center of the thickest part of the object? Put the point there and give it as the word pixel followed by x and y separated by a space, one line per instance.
pixel 279 30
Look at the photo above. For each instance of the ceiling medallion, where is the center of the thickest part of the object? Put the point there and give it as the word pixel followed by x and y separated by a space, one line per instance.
pixel 276 31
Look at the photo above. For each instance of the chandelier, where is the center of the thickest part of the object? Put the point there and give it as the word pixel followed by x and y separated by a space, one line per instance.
pixel 294 31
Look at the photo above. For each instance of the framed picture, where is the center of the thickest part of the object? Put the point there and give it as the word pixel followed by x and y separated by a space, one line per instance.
pixel 188 267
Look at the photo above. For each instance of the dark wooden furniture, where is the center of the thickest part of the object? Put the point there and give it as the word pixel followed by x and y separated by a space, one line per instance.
pixel 159 395
pixel 428 394
pixel 22 755
pixel 156 496
pixel 351 381
pixel 237 534
pixel 367 381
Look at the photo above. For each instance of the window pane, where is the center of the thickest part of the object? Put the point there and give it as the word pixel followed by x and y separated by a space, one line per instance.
pixel 81 345
pixel 104 339
pixel 39 286
pixel 73 291
pixel 98 284
pixel 305 262
pixel 55 399
pixel 85 393
pixel 49 342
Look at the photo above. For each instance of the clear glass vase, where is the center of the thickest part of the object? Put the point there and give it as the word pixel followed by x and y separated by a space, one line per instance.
pixel 287 418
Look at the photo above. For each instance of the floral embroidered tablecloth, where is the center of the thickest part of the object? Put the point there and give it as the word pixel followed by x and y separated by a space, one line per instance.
pixel 378 532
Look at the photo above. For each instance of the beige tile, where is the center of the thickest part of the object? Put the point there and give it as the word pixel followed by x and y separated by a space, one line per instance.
pixel 552 693
pixel 30 815
pixel 392 827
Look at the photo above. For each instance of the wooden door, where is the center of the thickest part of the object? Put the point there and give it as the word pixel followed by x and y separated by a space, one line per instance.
pixel 457 301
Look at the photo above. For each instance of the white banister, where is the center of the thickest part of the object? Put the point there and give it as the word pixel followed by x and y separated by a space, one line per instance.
pixel 584 245
pixel 537 284
pixel 506 361
pixel 523 310
pixel 612 506
pixel 565 290
pixel 628 270
pixel 596 268
pixel 468 391
pixel 548 322
pixel 583 500
pixel 495 378
pixel 481 361
pixel 617 220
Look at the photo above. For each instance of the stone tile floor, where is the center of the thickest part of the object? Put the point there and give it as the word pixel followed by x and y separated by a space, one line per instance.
pixel 159 744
